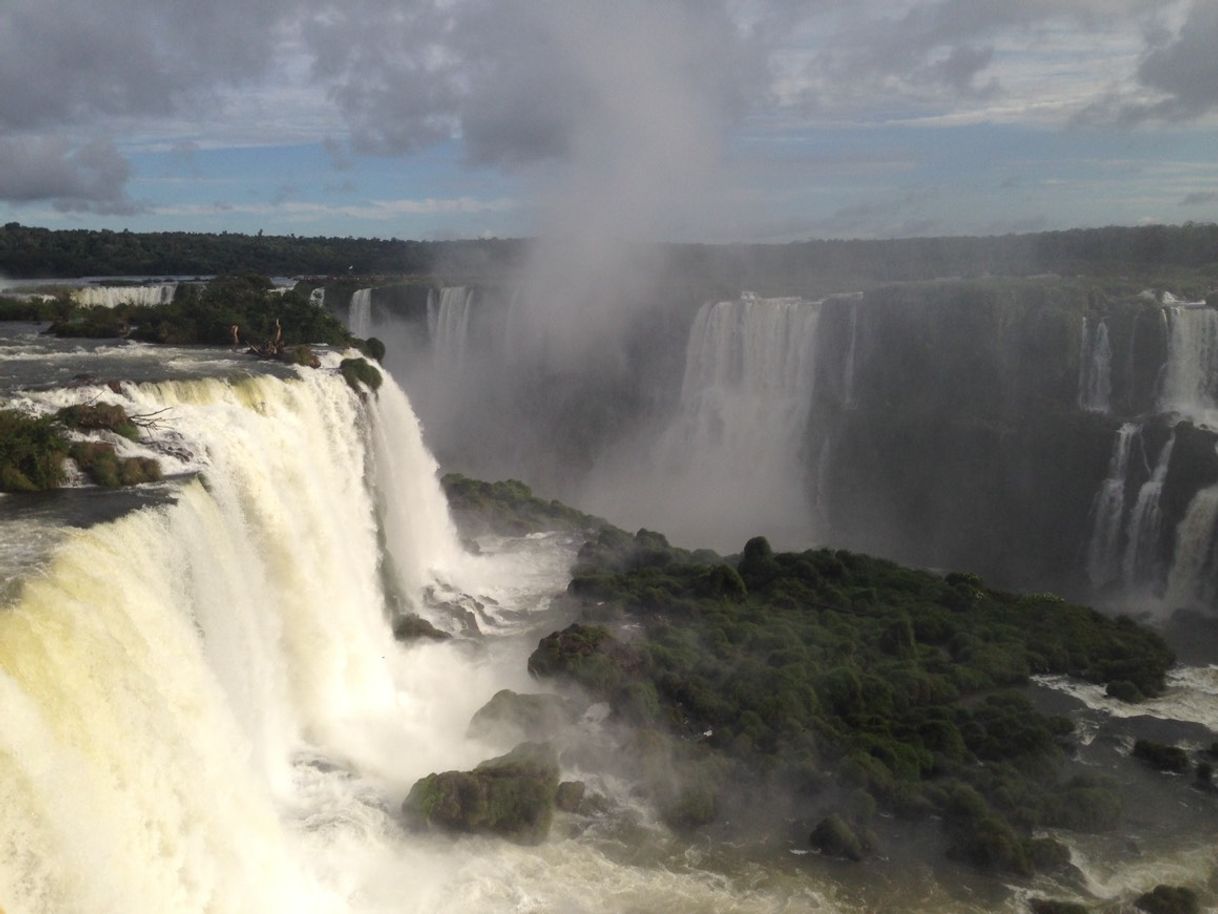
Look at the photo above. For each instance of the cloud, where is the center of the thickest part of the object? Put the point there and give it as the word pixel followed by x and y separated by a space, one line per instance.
pixel 1200 198
pixel 1184 69
pixel 89 178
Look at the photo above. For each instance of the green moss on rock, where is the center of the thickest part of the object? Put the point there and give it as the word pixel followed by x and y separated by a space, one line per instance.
pixel 511 796
pixel 360 373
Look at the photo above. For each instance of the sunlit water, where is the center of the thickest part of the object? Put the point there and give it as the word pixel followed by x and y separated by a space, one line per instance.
pixel 205 709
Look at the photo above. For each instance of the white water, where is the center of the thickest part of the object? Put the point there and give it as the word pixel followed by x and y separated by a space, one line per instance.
pixel 359 317
pixel 1095 369
pixel 1108 511
pixel 204 709
pixel 1146 522
pixel 113 296
pixel 448 324
pixel 1190 383
pixel 849 367
pixel 730 463
pixel 1191 579
pixel 318 297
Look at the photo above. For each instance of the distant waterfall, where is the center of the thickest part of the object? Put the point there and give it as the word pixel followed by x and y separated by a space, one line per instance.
pixel 1190 382
pixel 448 323
pixel 730 463
pixel 113 296
pixel 1191 581
pixel 317 297
pixel 1095 369
pixel 1108 511
pixel 848 369
pixel 165 670
pixel 359 316
pixel 1146 521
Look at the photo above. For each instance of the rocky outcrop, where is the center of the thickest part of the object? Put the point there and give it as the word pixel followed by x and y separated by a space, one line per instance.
pixel 511 796
pixel 532 717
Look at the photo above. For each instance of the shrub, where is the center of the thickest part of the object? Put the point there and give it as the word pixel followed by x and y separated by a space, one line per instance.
pixel 32 450
pixel 358 372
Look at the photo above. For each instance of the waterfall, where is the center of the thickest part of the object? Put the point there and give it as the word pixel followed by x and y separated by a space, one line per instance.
pixel 730 462
pixel 359 316
pixel 317 297
pixel 1191 579
pixel 1145 522
pixel 1095 369
pixel 1190 380
pixel 113 296
pixel 848 364
pixel 1108 510
pixel 448 323
pixel 160 676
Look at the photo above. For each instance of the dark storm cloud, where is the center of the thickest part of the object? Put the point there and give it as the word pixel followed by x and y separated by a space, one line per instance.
pixel 1200 198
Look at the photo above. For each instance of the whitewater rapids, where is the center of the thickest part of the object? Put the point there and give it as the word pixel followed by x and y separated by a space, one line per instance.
pixel 204 707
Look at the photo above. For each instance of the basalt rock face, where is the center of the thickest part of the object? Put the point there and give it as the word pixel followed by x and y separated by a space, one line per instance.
pixel 972 425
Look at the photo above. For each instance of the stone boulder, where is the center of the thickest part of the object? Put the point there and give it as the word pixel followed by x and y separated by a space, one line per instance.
pixel 514 716
pixel 511 796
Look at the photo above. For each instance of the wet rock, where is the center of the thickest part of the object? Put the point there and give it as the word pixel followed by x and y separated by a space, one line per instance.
pixel 511 796
pixel 413 628
pixel 513 715
pixel 570 796
pixel 834 838
pixel 1169 899
pixel 1053 906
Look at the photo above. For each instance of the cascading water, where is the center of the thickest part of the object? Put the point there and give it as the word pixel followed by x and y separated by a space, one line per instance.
pixel 731 459
pixel 848 369
pixel 113 296
pixel 359 316
pixel 1095 369
pixel 448 324
pixel 1191 579
pixel 1190 381
pixel 1138 564
pixel 1108 511
pixel 317 297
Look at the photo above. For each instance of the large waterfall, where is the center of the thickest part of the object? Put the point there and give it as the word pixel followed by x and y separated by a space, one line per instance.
pixel 1095 368
pixel 448 323
pixel 359 317
pixel 113 296
pixel 731 462
pixel 163 672
pixel 1108 511
pixel 1190 382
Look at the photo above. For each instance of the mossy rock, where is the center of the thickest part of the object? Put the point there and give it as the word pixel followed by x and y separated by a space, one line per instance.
pixel 834 837
pixel 372 348
pixel 1169 899
pixel 587 654
pixel 301 355
pixel 1161 757
pixel 533 717
pixel 1054 906
pixel 511 796
pixel 109 417
pixel 359 373
pixel 570 796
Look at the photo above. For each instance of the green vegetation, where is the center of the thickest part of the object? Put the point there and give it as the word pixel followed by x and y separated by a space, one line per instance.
pixel 32 450
pixel 98 416
pixel 509 508
pixel 208 313
pixel 512 796
pixel 358 372
pixel 104 467
pixel 37 252
pixel 826 667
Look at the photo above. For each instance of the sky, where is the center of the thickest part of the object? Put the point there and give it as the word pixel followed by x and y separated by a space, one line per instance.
pixel 689 120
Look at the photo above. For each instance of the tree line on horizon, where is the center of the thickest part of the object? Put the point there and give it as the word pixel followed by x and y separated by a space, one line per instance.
pixel 40 253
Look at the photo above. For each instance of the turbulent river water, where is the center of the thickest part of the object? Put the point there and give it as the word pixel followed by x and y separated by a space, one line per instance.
pixel 205 709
